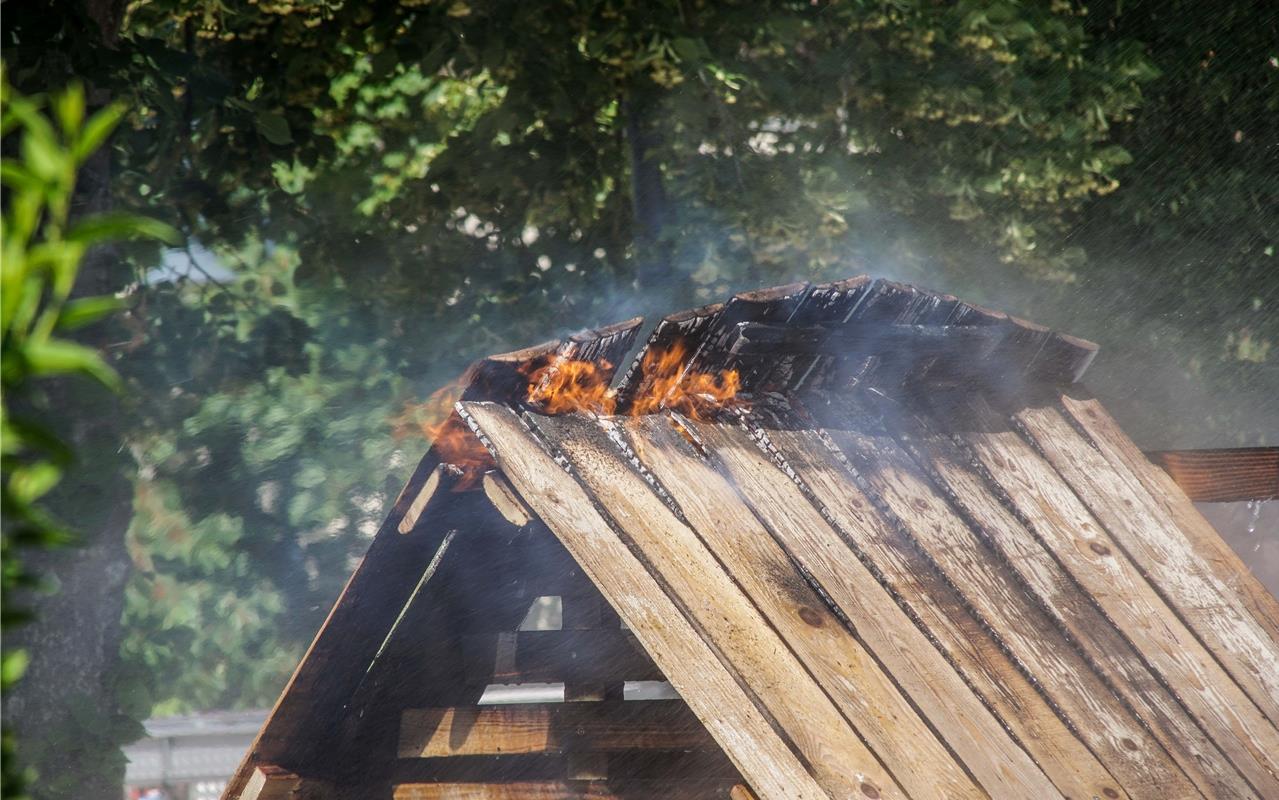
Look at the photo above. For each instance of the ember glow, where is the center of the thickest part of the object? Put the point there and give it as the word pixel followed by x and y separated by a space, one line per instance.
pixel 448 434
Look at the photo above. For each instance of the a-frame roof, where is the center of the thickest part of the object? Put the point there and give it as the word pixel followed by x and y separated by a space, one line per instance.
pixel 923 562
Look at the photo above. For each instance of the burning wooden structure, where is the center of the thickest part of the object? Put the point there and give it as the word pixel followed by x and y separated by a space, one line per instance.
pixel 911 557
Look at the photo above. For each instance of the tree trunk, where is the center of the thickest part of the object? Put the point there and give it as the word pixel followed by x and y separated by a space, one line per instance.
pixel 655 275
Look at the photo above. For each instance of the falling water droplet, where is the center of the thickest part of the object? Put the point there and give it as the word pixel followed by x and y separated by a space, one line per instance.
pixel 1254 506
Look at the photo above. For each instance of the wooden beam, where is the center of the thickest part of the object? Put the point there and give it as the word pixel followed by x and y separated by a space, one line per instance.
pixel 751 628
pixel 550 728
pixel 560 790
pixel 1223 475
pixel 1210 607
pixel 694 669
pixel 269 782
pixel 1163 493
pixel 951 730
pixel 1100 684
pixel 584 656
pixel 1079 542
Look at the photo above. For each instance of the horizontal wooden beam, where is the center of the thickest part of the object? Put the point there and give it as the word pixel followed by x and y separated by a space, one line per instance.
pixel 565 790
pixel 601 655
pixel 1223 475
pixel 550 728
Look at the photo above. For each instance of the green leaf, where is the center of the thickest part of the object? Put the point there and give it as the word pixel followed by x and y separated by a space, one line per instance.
pixel 43 156
pixel 60 357
pixel 12 665
pixel 117 225
pixel 30 482
pixel 273 127
pixel 96 131
pixel 81 312
pixel 69 107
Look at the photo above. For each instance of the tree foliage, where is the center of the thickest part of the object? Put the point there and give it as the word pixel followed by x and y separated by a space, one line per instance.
pixel 375 193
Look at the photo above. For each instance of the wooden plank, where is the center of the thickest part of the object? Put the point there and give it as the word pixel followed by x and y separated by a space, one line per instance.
pixel 1212 611
pixel 713 693
pixel 713 514
pixel 600 656
pixel 967 641
pixel 997 594
pixel 1079 543
pixel 885 670
pixel 722 610
pixel 955 714
pixel 550 728
pixel 269 782
pixel 1223 475
pixel 1089 634
pixel 1163 496
pixel 374 597
pixel 555 790
pixel 342 651
pixel 503 498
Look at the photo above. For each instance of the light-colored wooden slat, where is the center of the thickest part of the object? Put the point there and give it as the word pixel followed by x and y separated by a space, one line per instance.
pixel 694 670
pixel 837 661
pixel 1129 753
pixel 1104 647
pixel 269 782
pixel 1163 494
pixel 1211 610
pixel 549 728
pixel 554 790
pixel 965 639
pixel 723 611
pixel 955 713
pixel 1080 544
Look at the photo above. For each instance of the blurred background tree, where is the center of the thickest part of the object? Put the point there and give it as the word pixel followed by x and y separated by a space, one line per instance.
pixel 376 193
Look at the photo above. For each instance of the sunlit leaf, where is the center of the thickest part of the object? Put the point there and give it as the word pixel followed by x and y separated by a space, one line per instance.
pixel 115 225
pixel 59 357
pixel 96 131
pixel 85 310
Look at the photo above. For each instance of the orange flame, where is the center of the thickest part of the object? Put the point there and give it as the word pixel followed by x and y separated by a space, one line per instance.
pixel 566 385
pixel 452 439
pixel 562 386
pixel 696 395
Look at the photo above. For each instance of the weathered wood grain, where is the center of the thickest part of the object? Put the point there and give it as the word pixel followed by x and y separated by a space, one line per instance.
pixel 922 516
pixel 1091 639
pixel 967 641
pixel 1164 496
pixel 849 675
pixel 550 728
pixel 1212 611
pixel 269 782
pixel 722 610
pixel 1080 544
pixel 556 790
pixel 1223 475
pixel 713 693
pixel 996 593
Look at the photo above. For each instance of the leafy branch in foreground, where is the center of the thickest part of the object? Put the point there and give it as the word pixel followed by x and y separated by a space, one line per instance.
pixel 41 247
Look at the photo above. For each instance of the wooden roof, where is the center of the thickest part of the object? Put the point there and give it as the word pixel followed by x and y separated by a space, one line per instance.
pixel 923 563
